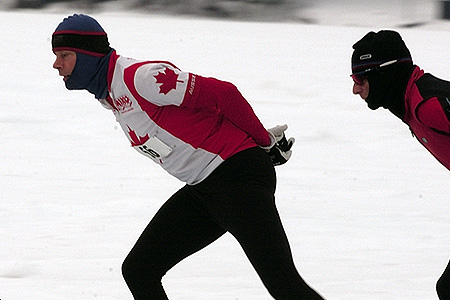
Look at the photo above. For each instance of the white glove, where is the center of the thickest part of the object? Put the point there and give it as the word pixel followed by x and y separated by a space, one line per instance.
pixel 279 149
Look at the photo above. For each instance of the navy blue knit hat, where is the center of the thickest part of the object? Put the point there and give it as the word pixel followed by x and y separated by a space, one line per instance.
pixel 81 33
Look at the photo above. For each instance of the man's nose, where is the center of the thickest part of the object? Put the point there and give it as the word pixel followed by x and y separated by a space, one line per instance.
pixel 356 89
pixel 56 64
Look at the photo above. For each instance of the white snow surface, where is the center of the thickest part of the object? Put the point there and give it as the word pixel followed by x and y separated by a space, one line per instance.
pixel 365 206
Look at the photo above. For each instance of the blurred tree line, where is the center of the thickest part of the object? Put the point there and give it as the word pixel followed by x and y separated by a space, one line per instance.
pixel 166 3
pixel 217 8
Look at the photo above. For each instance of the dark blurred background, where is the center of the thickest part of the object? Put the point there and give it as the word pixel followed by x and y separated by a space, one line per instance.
pixel 410 12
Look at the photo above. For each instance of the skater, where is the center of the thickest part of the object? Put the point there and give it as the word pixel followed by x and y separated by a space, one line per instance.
pixel 202 131
pixel 384 76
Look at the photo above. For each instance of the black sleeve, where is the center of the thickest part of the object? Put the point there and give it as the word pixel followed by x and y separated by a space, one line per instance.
pixel 430 86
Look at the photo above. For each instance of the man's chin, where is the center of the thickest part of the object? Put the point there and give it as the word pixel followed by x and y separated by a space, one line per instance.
pixel 372 106
pixel 68 85
pixel 71 84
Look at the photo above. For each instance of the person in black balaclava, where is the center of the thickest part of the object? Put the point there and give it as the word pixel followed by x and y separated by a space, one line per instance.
pixel 388 82
pixel 384 76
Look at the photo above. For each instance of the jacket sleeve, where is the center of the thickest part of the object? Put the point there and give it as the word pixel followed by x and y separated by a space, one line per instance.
pixel 224 96
pixel 432 113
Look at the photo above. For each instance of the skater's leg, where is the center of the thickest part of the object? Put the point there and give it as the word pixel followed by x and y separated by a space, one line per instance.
pixel 240 197
pixel 443 284
pixel 264 241
pixel 178 230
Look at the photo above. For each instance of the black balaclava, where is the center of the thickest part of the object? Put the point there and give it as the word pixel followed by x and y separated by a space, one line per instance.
pixel 387 84
pixel 85 36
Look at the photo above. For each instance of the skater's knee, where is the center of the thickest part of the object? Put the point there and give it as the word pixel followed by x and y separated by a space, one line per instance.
pixel 129 269
pixel 134 266
pixel 137 267
pixel 443 288
pixel 141 278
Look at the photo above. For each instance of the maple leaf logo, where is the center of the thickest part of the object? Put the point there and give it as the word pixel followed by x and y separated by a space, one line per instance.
pixel 168 79
pixel 135 139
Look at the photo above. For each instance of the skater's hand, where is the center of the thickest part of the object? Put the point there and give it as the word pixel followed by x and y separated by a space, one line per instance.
pixel 280 148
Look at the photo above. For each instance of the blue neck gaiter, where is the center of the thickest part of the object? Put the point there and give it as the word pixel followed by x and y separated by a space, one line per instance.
pixel 90 73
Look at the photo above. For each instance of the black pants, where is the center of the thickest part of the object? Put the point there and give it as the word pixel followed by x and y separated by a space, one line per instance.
pixel 238 197
pixel 443 285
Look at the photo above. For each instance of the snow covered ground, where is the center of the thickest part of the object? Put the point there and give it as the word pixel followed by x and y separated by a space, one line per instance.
pixel 364 205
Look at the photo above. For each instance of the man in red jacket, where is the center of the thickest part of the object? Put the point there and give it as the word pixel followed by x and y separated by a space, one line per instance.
pixel 385 76
pixel 203 132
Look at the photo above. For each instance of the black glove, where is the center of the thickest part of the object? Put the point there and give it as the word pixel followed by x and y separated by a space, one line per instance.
pixel 280 151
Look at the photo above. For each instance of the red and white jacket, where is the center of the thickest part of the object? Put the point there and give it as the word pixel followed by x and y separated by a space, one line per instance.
pixel 186 123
